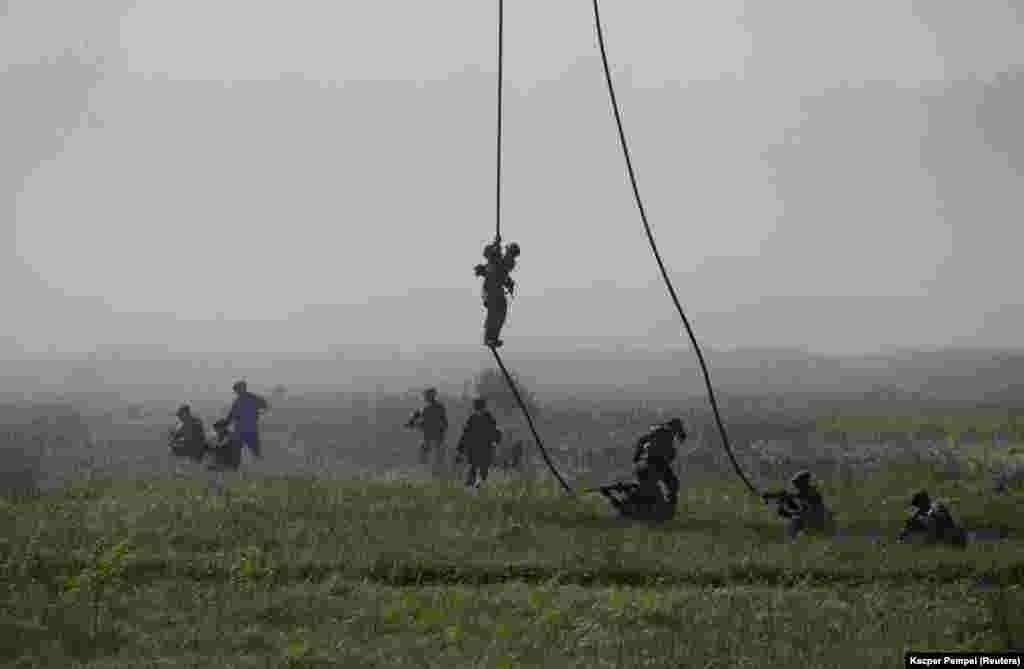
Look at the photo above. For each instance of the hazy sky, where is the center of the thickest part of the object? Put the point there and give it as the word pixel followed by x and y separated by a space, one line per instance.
pixel 289 176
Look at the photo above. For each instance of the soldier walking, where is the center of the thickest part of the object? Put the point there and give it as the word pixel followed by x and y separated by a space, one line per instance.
pixel 479 438
pixel 432 422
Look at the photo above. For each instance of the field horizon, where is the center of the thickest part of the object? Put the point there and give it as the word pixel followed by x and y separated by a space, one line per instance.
pixel 340 549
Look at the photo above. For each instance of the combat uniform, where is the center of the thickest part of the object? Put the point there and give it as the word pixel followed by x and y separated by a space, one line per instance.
pixel 479 438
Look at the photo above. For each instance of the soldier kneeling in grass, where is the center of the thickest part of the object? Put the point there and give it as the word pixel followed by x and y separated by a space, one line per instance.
pixel 931 523
pixel 803 508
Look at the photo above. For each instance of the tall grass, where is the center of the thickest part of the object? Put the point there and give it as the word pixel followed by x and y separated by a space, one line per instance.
pixel 306 573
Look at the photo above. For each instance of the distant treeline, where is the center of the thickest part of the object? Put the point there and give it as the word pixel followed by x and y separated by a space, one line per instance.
pixel 1009 427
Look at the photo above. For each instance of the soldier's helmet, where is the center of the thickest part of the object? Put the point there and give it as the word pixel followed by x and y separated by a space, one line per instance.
pixel 183 411
pixel 239 386
pixel 513 250
pixel 921 499
pixel 801 478
pixel 479 403
pixel 676 427
pixel 430 393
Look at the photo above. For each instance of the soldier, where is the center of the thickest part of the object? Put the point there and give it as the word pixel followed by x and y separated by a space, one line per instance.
pixel 931 523
pixel 244 414
pixel 189 440
pixel 495 273
pixel 432 421
pixel 479 438
pixel 655 452
pixel 227 449
pixel 803 509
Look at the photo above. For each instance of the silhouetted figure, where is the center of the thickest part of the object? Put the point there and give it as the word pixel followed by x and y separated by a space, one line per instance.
pixel 655 452
pixel 189 440
pixel 432 422
pixel 227 449
pixel 803 507
pixel 479 438
pixel 931 523
pixel 495 272
pixel 244 415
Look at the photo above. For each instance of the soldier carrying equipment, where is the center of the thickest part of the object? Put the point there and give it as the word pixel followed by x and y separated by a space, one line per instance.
pixel 654 494
pixel 931 523
pixel 479 438
pixel 803 509
pixel 654 454
pixel 189 440
pixel 432 421
pixel 495 273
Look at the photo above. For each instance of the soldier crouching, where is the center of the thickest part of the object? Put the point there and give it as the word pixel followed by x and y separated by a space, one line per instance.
pixel 803 508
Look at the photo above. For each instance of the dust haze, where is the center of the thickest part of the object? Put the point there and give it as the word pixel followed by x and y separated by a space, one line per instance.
pixel 251 178
pixel 190 195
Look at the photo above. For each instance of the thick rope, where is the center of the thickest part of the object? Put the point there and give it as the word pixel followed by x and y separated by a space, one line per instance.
pixel 501 49
pixel 497 239
pixel 657 256
pixel 529 420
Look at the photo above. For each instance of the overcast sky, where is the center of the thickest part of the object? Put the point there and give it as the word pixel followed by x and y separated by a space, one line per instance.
pixel 836 176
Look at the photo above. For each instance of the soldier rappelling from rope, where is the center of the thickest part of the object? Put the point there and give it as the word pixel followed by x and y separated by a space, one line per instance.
pixel 495 272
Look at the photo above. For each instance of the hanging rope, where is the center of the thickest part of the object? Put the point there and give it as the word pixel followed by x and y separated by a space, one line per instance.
pixel 497 187
pixel 536 437
pixel 657 256
pixel 497 239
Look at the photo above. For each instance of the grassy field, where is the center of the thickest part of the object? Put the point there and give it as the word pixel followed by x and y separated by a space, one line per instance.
pixel 280 573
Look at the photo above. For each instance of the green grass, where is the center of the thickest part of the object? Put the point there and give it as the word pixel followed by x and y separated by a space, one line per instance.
pixel 290 573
